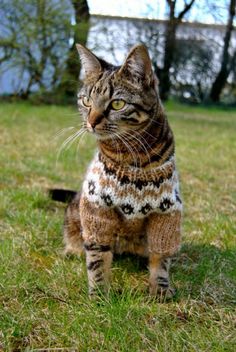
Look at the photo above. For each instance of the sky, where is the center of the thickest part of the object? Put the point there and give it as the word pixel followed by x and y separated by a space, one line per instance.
pixel 157 9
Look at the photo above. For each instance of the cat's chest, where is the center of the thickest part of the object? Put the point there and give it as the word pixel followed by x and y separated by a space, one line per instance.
pixel 134 194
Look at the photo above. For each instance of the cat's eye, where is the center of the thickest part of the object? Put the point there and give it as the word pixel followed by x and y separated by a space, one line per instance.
pixel 117 104
pixel 87 102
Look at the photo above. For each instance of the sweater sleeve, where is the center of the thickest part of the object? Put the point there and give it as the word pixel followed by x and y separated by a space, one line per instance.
pixel 164 233
pixel 99 224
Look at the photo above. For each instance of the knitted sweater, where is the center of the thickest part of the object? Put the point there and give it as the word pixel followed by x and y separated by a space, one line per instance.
pixel 134 192
pixel 127 195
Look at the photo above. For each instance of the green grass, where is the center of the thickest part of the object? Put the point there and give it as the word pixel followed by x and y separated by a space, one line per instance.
pixel 43 297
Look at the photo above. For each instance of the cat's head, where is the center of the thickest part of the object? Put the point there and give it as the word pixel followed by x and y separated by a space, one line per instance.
pixel 117 99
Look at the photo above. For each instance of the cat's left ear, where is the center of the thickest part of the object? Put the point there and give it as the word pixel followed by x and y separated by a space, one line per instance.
pixel 138 65
pixel 90 63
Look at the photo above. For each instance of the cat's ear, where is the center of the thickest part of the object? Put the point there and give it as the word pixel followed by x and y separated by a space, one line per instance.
pixel 138 65
pixel 90 63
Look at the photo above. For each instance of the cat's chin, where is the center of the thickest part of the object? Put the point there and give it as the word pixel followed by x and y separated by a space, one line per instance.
pixel 101 137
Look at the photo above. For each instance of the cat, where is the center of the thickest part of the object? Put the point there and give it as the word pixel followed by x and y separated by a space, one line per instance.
pixel 130 200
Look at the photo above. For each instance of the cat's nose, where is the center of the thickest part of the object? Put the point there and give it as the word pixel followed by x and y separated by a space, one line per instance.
pixel 94 119
pixel 91 126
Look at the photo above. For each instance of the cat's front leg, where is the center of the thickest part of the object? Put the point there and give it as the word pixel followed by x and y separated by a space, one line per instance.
pixel 98 261
pixel 159 282
pixel 163 233
pixel 99 225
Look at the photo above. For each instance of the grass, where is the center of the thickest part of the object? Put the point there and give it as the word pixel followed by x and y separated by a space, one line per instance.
pixel 43 297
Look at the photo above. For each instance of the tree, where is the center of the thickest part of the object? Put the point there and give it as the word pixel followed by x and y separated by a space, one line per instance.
pixel 174 20
pixel 33 41
pixel 80 30
pixel 192 69
pixel 227 61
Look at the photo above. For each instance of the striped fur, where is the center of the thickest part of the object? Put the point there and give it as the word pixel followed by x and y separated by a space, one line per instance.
pixel 130 200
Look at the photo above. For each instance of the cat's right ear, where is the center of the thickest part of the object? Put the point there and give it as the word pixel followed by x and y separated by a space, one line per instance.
pixel 90 63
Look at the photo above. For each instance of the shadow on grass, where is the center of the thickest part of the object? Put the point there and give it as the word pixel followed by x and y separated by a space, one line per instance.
pixel 200 271
pixel 206 272
pixel 203 273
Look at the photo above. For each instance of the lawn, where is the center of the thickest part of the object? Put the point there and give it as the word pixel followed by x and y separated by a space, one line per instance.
pixel 43 296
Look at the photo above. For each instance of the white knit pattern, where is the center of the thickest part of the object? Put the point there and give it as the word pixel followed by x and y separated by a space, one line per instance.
pixel 106 190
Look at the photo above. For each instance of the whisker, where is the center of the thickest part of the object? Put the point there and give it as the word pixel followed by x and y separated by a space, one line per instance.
pixel 69 144
pixel 144 140
pixel 118 150
pixel 134 148
pixel 129 147
pixel 126 145
pixel 62 131
pixel 66 129
pixel 74 114
pixel 157 122
pixel 151 135
pixel 142 145
pixel 153 150
pixel 111 130
pixel 140 161
pixel 69 139
pixel 79 143
pixel 129 136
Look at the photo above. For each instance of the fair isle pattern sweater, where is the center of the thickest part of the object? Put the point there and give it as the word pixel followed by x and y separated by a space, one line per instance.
pixel 134 192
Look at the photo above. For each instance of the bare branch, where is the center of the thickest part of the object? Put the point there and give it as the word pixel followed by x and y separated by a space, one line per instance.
pixel 186 9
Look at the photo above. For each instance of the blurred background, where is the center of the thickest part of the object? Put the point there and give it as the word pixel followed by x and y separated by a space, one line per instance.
pixel 44 304
pixel 192 44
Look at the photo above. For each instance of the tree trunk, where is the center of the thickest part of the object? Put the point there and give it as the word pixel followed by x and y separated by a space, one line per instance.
pixel 170 45
pixel 224 71
pixel 70 78
pixel 80 35
pixel 169 48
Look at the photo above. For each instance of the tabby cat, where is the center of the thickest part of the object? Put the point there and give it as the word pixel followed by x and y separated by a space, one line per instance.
pixel 130 200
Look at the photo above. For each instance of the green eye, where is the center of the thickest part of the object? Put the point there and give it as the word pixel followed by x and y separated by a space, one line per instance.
pixel 118 104
pixel 87 102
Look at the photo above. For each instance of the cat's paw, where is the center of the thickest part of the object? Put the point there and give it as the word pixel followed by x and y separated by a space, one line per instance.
pixel 166 293
pixel 73 252
pixel 163 294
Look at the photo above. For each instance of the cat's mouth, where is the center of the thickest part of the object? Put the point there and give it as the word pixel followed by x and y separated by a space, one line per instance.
pixel 99 133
